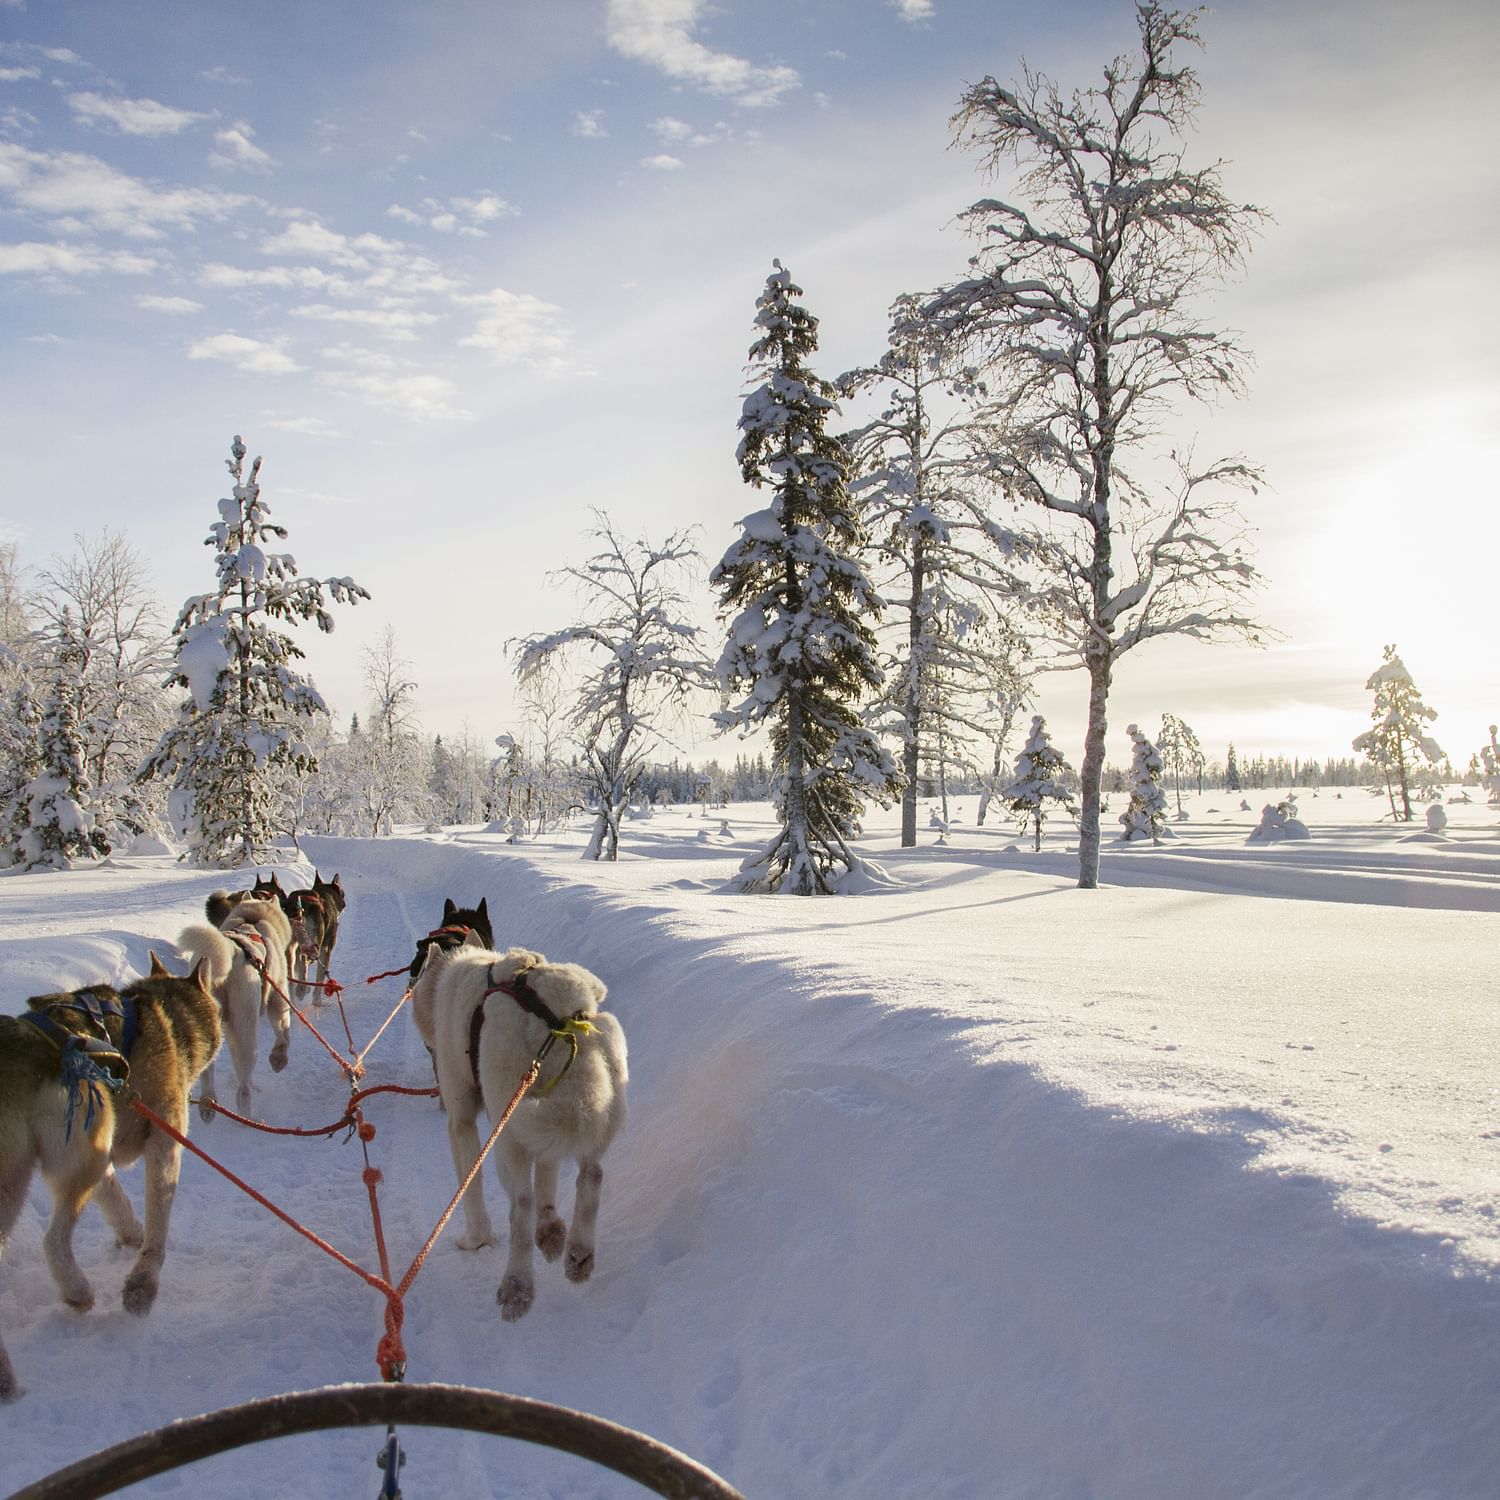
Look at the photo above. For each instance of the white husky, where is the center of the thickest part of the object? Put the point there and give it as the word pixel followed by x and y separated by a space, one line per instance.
pixel 574 1111
pixel 246 964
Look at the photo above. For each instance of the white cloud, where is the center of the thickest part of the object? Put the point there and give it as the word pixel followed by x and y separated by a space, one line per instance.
pixel 306 426
pixel 398 323
pixel 305 237
pixel 913 11
pixel 659 34
pixel 461 215
pixel 586 123
pixel 421 396
pixel 670 129
pixel 14 75
pixel 82 189
pixel 221 74
pixel 279 278
pixel 252 355
pixel 132 116
pixel 662 163
pixel 515 326
pixel 237 149
pixel 169 304
pixel 31 258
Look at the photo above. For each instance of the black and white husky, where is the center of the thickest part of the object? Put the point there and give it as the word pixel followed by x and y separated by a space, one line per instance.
pixel 492 1015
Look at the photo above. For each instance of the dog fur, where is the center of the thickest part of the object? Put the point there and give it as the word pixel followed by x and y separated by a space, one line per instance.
pixel 574 1112
pixel 178 1033
pixel 245 961
pixel 433 955
pixel 314 914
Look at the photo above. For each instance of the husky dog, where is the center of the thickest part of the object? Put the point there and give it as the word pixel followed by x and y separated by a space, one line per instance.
pixel 164 1030
pixel 459 925
pixel 494 1014
pixel 314 914
pixel 246 966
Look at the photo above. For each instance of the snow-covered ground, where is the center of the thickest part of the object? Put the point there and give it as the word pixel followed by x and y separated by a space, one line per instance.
pixel 979 1186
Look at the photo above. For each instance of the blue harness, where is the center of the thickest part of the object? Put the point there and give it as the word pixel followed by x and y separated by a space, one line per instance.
pixel 89 1063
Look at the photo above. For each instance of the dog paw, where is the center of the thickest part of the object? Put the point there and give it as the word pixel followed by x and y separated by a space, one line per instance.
pixel 207 1109
pixel 278 1057
pixel 475 1239
pixel 514 1297
pixel 580 1264
pixel 140 1292
pixel 550 1234
pixel 80 1299
pixel 130 1239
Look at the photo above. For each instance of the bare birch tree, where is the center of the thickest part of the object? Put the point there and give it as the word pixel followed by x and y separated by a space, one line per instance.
pixel 1079 310
pixel 644 663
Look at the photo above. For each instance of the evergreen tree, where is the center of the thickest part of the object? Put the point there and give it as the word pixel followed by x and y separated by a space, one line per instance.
pixel 801 650
pixel 1042 776
pixel 236 739
pixel 1490 755
pixel 61 829
pixel 1232 773
pixel 1397 742
pixel 1146 816
pixel 21 748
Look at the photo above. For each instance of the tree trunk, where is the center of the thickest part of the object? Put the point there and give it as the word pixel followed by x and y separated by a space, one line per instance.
pixel 800 868
pixel 1092 774
pixel 913 707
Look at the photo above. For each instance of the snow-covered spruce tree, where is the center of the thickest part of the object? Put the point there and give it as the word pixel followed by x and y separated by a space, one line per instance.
pixel 1180 752
pixel 1232 781
pixel 1146 815
pixel 1489 756
pixel 60 827
pixel 1398 741
pixel 1042 776
pixel 1079 313
pixel 236 737
pixel 800 608
pixel 644 665
pixel 935 563
pixel 20 764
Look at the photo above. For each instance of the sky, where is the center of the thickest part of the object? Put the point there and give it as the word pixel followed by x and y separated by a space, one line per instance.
pixel 464 273
pixel 1129 1201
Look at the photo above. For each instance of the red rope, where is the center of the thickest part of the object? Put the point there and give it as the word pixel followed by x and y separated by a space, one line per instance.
pixel 395 1010
pixel 390 1353
pixel 348 1118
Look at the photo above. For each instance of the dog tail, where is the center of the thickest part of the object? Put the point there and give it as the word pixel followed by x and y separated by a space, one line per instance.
pixel 208 946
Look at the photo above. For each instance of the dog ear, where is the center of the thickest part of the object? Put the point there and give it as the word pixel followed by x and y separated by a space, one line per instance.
pixel 158 969
pixel 199 976
pixel 449 910
pixel 483 908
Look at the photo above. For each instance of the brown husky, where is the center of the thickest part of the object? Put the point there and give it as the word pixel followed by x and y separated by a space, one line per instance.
pixel 161 1032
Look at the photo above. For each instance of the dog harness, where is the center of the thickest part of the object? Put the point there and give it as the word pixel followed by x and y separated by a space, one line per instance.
pixel 443 938
pixel 564 1028
pixel 89 1062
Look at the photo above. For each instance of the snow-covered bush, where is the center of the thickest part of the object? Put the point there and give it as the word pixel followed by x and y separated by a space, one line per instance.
pixel 1146 815
pixel 1042 776
pixel 1278 822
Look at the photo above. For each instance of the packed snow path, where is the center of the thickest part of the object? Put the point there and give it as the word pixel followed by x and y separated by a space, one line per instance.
pixel 965 1190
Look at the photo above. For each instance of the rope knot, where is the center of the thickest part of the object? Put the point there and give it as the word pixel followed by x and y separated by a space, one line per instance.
pixel 372 1175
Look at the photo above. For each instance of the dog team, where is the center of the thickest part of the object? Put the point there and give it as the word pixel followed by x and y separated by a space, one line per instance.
pixel 72 1063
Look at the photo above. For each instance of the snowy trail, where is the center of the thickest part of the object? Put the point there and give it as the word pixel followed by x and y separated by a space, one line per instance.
pixel 937 1193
